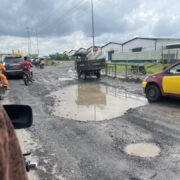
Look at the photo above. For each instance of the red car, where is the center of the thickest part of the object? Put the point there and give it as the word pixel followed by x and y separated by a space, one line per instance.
pixel 166 83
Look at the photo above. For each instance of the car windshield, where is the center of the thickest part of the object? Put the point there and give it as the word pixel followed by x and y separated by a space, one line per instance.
pixel 175 69
pixel 12 60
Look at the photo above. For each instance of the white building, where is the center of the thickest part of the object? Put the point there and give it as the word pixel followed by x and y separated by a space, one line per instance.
pixel 147 44
pixel 65 52
pixel 110 48
pixel 147 49
pixel 81 50
pixel 71 52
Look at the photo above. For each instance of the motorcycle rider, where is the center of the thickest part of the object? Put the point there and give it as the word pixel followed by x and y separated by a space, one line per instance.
pixel 41 61
pixel 26 66
pixel 3 77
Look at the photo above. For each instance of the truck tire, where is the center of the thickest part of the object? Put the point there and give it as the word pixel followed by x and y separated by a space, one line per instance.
pixel 153 93
pixel 84 76
pixel 98 75
pixel 79 75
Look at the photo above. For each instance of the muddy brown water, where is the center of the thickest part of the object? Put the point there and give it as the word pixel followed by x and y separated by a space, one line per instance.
pixel 93 102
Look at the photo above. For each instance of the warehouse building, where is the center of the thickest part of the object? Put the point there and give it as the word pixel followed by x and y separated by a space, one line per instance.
pixel 137 50
pixel 110 48
pixel 71 52
pixel 147 49
pixel 147 44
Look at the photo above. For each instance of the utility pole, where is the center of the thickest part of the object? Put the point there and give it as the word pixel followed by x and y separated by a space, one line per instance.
pixel 92 14
pixel 29 40
pixel 37 40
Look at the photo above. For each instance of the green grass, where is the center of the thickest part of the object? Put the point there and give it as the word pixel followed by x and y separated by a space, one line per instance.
pixel 52 62
pixel 151 68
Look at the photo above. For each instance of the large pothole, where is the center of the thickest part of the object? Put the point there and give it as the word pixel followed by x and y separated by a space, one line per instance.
pixel 143 150
pixel 93 102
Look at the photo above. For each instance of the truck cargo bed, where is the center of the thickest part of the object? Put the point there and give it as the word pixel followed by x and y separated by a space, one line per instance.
pixel 90 65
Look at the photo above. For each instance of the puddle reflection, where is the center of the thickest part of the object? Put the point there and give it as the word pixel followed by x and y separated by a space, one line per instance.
pixel 94 102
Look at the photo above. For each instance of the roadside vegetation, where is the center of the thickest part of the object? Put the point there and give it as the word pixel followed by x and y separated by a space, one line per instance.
pixel 52 62
pixel 60 57
pixel 55 59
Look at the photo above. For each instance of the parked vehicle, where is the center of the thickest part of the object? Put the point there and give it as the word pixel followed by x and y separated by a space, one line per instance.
pixel 12 65
pixel 165 83
pixel 86 67
pixel 35 62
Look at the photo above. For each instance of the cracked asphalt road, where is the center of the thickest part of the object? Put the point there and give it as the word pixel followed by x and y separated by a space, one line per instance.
pixel 75 150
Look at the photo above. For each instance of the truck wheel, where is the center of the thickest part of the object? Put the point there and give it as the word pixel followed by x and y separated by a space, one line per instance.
pixel 153 93
pixel 84 76
pixel 79 75
pixel 98 75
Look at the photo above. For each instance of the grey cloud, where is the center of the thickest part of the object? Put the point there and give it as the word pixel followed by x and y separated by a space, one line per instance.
pixel 167 26
pixel 62 18
pixel 58 19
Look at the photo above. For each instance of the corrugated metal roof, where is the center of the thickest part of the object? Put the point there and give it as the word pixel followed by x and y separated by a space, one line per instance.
pixel 111 43
pixel 148 38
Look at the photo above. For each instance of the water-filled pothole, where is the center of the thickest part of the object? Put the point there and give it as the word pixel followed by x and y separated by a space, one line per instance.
pixel 93 102
pixel 143 150
pixel 65 79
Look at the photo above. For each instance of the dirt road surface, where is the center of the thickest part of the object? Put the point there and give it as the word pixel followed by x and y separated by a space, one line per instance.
pixel 66 147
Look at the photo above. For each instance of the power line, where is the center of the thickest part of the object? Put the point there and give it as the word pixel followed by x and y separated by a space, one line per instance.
pixel 50 14
pixel 68 15
pixel 60 21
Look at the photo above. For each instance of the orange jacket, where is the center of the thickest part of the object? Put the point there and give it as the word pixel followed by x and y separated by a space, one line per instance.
pixel 2 68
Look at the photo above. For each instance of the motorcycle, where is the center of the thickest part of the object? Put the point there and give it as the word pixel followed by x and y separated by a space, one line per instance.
pixel 3 90
pixel 27 77
pixel 42 64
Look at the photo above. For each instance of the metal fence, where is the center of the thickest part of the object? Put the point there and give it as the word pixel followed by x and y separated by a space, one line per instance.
pixel 125 71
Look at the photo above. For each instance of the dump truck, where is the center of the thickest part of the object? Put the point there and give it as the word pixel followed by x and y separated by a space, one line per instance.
pixel 88 67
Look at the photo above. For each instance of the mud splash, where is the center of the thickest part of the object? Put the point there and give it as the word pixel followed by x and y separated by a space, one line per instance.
pixel 93 102
pixel 143 150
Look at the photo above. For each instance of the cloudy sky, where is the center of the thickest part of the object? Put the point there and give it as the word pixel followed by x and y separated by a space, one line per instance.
pixel 66 24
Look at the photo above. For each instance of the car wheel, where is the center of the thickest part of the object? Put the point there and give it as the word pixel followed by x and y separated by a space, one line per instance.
pixel 153 93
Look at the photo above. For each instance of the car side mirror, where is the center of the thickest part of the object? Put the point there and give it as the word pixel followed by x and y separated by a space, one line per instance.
pixel 21 116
